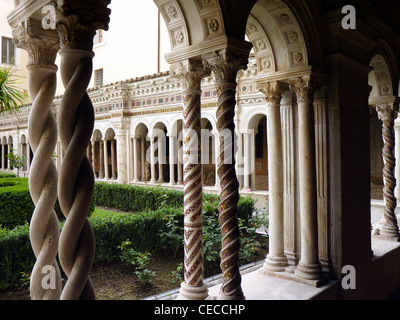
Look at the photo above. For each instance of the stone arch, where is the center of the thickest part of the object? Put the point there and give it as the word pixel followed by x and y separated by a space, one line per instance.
pixel 277 37
pixel 141 130
pixel 380 78
pixel 190 22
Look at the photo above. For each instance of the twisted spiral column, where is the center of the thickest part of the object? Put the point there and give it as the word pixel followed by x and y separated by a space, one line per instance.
pixel 225 66
pixel 77 23
pixel 386 115
pixel 76 184
pixel 193 288
pixel 42 128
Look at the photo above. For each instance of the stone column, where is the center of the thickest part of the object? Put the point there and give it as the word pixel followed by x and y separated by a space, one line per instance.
pixel 247 160
pixel 42 47
pixel 190 73
pixel 172 159
pixel 216 151
pixel 386 114
pixel 135 160
pixel 114 169
pixel 160 159
pixel 101 160
pixel 225 64
pixel 252 138
pixel 106 169
pixel 276 259
pixel 309 267
pixel 77 26
pixel 152 160
pixel 142 159
pixel 397 157
pixel 180 165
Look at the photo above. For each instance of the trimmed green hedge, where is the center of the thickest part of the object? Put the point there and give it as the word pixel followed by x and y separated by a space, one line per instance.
pixel 136 198
pixel 16 206
pixel 157 224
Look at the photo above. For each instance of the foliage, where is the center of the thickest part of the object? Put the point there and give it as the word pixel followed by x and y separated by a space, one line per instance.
pixel 16 206
pixel 136 198
pixel 139 260
pixel 177 275
pixel 16 161
pixel 10 96
pixel 147 231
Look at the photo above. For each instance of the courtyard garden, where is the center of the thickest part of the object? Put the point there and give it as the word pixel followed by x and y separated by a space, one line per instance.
pixel 139 238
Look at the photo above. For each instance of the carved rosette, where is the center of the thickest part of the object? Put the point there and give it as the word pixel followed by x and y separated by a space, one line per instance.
pixel 77 22
pixel 190 76
pixel 44 225
pixel 386 114
pixel 225 67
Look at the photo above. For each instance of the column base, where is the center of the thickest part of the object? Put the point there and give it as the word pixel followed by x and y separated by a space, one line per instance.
pixel 238 296
pixel 192 293
pixel 309 271
pixel 390 232
pixel 275 264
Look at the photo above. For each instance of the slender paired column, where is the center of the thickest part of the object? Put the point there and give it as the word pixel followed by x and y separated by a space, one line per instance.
pixel 172 161
pixel 135 160
pixel 386 114
pixel 101 160
pixel 44 228
pixel 114 168
pixel 247 160
pixel 160 159
pixel 276 259
pixel 106 170
pixel 190 74
pixel 77 27
pixel 309 267
pixel 153 159
pixel 143 159
pixel 225 66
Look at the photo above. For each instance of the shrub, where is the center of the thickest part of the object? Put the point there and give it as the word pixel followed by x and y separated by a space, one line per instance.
pixel 136 198
pixel 16 255
pixel 16 206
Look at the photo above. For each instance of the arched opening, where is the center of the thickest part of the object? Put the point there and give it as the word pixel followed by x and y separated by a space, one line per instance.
pixel 141 165
pixel 160 153
pixel 111 172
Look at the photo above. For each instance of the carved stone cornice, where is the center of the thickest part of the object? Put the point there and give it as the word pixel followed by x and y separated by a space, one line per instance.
pixel 42 45
pixel 77 21
pixel 272 90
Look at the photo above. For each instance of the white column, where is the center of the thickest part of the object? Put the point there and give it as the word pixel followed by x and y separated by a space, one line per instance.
pixel 160 160
pixel 135 160
pixel 101 156
pixel 180 163
pixel 397 156
pixel 106 169
pixel 309 267
pixel 247 160
pixel 172 159
pixel 143 158
pixel 276 259
pixel 152 160
pixel 113 160
pixel 253 184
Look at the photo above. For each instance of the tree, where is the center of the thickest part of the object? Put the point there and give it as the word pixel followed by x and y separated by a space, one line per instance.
pixel 16 161
pixel 10 96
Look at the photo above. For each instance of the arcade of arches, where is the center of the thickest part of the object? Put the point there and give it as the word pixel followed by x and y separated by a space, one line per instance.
pixel 268 96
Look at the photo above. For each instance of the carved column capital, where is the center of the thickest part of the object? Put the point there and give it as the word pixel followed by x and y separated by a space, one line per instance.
pixel 77 21
pixel 190 73
pixel 272 90
pixel 225 64
pixel 386 112
pixel 303 88
pixel 42 45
